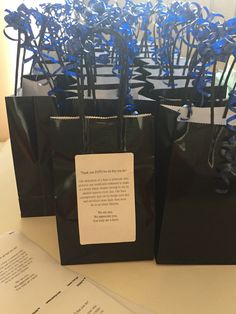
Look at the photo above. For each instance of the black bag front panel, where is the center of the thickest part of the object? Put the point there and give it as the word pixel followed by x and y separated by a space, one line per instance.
pixel 28 119
pixel 198 223
pixel 102 137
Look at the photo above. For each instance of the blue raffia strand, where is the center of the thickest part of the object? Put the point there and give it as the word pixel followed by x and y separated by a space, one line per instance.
pixel 211 40
pixel 89 18
pixel 60 29
pixel 21 21
pixel 214 43
pixel 168 24
pixel 227 168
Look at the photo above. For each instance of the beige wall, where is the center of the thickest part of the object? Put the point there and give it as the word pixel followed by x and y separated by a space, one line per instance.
pixel 7 64
pixel 226 7
pixel 6 82
pixel 7 60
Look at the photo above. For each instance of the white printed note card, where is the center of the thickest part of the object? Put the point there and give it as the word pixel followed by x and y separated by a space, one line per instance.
pixel 106 198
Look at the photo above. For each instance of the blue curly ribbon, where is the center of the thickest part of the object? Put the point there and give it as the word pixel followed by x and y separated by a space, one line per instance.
pixel 60 29
pixel 227 168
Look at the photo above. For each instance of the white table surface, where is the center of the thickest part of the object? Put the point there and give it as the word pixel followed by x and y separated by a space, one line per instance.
pixel 162 289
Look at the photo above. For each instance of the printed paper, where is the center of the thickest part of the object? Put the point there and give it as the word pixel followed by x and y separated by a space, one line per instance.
pixel 105 196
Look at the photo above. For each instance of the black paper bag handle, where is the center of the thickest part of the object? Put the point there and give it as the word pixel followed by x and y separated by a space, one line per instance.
pixel 123 87
pixel 124 66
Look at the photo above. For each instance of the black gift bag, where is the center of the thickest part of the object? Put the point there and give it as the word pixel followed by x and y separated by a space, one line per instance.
pixel 197 188
pixel 28 119
pixel 103 129
pixel 102 137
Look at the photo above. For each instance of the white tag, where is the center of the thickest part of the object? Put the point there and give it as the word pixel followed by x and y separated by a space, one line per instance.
pixel 105 197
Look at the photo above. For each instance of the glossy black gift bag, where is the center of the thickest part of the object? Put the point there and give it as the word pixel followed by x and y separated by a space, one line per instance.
pixel 28 113
pixel 103 129
pixel 197 192
pixel 28 119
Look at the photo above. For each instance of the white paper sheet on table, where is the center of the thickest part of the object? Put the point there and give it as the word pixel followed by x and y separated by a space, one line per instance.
pixel 32 282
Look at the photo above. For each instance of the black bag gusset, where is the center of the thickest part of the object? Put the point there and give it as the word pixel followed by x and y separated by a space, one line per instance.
pixel 28 119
